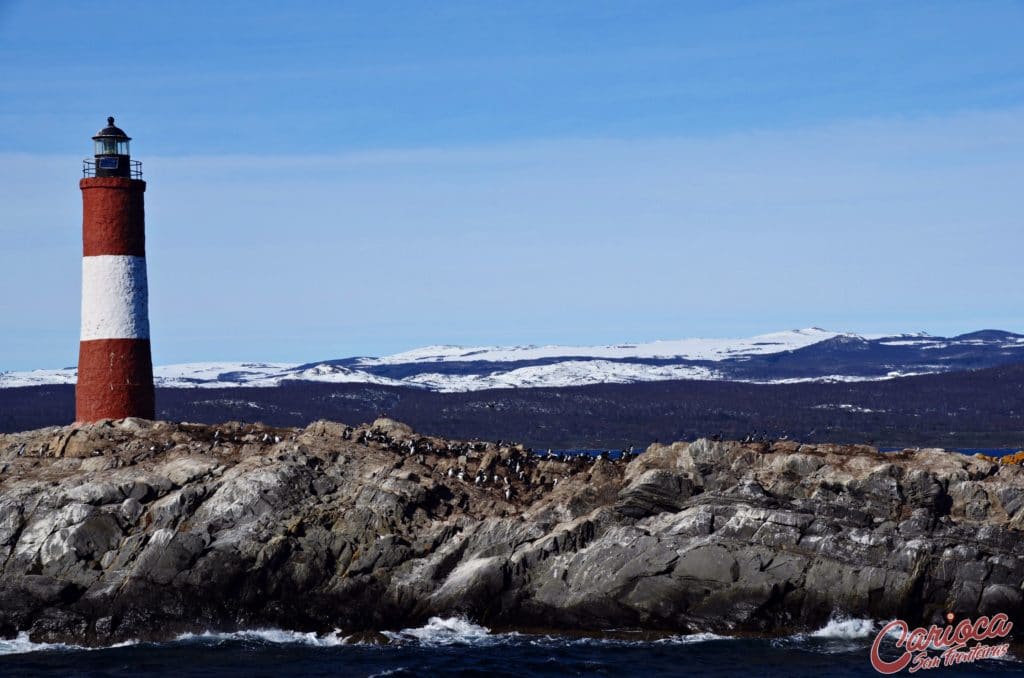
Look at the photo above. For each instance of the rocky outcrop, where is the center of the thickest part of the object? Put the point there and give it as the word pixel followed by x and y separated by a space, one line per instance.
pixel 137 529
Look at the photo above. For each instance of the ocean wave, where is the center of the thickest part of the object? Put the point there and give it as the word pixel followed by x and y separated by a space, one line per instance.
pixel 839 634
pixel 447 631
pixel 843 628
pixel 21 644
pixel 591 641
pixel 274 636
pixel 692 638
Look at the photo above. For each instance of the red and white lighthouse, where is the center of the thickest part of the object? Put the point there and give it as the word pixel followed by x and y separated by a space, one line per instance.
pixel 115 369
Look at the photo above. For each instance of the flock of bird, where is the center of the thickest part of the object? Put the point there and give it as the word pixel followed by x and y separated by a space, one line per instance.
pixel 753 437
pixel 503 464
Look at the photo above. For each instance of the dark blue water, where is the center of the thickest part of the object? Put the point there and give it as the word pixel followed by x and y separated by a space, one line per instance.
pixel 990 451
pixel 458 648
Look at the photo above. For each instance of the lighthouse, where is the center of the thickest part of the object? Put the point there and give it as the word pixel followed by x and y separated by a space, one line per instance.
pixel 115 368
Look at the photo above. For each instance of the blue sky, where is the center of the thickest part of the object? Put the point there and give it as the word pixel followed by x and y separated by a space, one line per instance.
pixel 334 179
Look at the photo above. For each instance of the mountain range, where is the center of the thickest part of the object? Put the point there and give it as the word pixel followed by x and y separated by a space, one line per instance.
pixel 795 356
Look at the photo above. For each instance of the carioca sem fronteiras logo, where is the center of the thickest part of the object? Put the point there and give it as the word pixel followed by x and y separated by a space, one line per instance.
pixel 936 647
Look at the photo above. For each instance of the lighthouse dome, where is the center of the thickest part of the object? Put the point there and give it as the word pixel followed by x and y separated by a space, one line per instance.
pixel 111 131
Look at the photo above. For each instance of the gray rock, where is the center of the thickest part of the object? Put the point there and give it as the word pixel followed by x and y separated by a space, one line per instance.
pixel 166 532
pixel 655 491
pixel 1011 498
pixel 95 493
pixel 185 470
pixel 923 490
pixel 167 556
pixel 711 563
pixel 131 509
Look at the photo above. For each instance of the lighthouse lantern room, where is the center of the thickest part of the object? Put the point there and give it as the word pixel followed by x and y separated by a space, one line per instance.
pixel 111 157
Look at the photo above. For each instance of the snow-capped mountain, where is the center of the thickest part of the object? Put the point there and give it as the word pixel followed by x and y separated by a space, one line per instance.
pixel 783 357
pixel 688 349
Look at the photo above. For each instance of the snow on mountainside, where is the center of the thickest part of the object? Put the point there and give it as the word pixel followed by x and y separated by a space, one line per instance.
pixel 690 349
pixel 38 377
pixel 220 375
pixel 215 375
pixel 783 357
pixel 567 373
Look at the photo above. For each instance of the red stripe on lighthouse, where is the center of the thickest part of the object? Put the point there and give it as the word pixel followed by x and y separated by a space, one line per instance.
pixel 114 216
pixel 115 380
pixel 115 368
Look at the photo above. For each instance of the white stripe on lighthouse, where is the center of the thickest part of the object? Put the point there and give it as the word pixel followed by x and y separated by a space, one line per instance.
pixel 114 297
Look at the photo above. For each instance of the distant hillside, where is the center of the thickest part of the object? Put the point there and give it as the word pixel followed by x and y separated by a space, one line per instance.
pixel 783 357
pixel 980 408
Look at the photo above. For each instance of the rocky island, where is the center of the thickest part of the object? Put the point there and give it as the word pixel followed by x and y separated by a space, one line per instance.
pixel 134 529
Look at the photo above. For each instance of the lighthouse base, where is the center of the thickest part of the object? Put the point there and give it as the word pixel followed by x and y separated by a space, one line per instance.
pixel 115 380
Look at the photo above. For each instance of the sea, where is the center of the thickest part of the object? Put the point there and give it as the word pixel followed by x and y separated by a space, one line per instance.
pixel 459 647
pixel 995 452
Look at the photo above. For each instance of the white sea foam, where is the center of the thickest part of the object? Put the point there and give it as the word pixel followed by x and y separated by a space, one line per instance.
pixel 692 638
pixel 21 644
pixel 846 629
pixel 390 672
pixel 277 636
pixel 592 641
pixel 446 631
pixel 839 634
